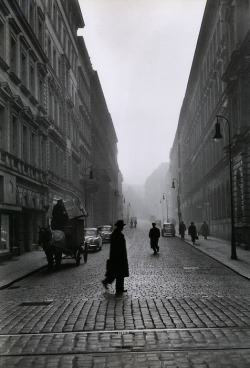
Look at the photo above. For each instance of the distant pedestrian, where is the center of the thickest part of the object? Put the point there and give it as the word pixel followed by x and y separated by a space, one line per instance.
pixel 154 235
pixel 182 229
pixel 135 223
pixel 131 223
pixel 192 232
pixel 117 268
pixel 204 230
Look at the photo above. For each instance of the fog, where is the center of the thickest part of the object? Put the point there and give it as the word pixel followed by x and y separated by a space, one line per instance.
pixel 142 51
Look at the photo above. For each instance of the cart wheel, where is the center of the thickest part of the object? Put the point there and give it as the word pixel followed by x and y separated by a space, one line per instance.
pixel 78 257
pixel 85 254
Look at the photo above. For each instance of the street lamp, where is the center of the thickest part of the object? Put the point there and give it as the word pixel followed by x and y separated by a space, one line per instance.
pixel 163 197
pixel 178 198
pixel 216 137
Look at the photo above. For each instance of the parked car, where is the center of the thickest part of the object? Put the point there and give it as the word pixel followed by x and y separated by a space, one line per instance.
pixel 105 231
pixel 168 229
pixel 92 239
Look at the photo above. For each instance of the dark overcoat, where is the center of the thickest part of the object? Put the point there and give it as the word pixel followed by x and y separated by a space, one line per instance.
pixel 154 235
pixel 192 230
pixel 59 217
pixel 118 261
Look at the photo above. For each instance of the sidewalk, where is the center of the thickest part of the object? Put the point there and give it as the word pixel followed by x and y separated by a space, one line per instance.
pixel 19 267
pixel 221 251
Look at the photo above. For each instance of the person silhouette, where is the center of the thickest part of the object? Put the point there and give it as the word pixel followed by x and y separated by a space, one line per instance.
pixel 118 262
pixel 154 235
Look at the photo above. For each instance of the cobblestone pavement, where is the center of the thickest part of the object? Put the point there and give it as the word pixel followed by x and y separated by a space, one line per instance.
pixel 182 309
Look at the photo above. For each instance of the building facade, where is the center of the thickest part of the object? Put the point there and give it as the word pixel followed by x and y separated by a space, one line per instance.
pixel 219 84
pixel 45 116
pixel 106 198
pixel 157 194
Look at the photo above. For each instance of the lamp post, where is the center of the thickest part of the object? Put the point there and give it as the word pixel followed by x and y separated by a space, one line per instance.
pixel 90 176
pixel 164 196
pixel 178 198
pixel 216 137
pixel 162 212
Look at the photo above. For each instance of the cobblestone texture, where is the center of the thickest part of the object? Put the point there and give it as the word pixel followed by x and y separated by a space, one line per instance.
pixel 182 309
pixel 125 314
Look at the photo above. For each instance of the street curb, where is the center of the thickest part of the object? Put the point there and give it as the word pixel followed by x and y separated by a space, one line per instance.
pixel 21 277
pixel 213 257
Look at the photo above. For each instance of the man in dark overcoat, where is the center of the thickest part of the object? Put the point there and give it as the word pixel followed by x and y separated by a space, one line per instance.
pixel 154 235
pixel 182 229
pixel 59 216
pixel 117 268
pixel 192 232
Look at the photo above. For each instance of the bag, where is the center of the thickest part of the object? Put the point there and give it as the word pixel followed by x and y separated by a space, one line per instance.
pixel 107 264
pixel 196 237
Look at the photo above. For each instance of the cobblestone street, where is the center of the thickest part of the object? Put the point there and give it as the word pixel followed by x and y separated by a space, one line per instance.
pixel 182 309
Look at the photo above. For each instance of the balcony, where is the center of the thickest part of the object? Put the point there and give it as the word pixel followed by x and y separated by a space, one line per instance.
pixel 20 167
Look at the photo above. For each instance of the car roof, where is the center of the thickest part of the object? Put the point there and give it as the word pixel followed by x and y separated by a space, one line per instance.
pixel 90 228
pixel 103 226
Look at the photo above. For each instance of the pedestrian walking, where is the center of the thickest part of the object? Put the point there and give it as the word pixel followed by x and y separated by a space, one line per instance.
pixel 204 230
pixel 192 232
pixel 117 264
pixel 182 229
pixel 135 223
pixel 154 235
pixel 131 223
pixel 59 216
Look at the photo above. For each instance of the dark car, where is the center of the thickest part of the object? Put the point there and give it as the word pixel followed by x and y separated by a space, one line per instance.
pixel 168 229
pixel 105 231
pixel 92 239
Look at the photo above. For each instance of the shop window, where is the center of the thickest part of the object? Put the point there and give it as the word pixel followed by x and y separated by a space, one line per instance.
pixel 4 240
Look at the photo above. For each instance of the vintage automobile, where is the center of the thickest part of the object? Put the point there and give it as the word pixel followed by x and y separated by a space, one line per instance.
pixel 105 231
pixel 93 240
pixel 168 229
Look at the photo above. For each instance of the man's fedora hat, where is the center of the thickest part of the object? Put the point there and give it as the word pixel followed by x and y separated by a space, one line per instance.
pixel 120 223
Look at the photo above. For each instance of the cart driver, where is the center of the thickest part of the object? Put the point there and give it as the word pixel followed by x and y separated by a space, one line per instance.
pixel 59 216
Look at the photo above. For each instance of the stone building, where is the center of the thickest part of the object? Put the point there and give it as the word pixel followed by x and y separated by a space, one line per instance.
pixel 106 197
pixel 219 84
pixel 46 148
pixel 157 193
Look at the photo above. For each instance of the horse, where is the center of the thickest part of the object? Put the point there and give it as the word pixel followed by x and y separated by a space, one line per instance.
pixel 51 240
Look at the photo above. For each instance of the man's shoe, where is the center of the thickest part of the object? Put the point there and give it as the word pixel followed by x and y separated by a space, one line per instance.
pixel 105 284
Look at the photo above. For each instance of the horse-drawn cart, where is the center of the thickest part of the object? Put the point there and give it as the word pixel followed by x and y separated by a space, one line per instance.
pixel 69 242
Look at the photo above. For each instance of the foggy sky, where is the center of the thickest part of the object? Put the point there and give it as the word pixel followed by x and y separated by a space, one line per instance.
pixel 142 51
